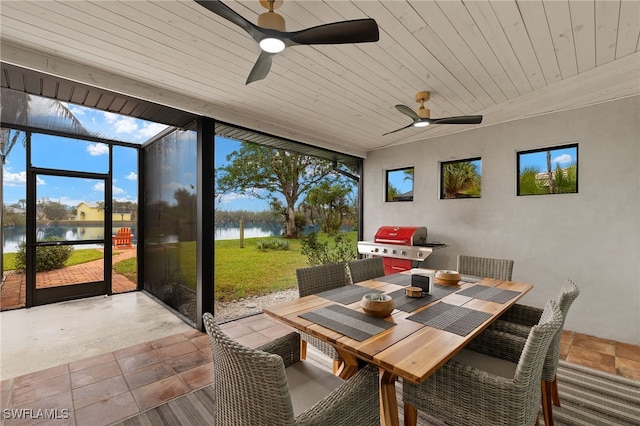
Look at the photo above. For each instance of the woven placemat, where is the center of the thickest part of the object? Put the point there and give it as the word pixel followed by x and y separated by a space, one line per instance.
pixel 353 324
pixel 490 294
pixel 347 294
pixel 399 279
pixel 410 304
pixel 451 318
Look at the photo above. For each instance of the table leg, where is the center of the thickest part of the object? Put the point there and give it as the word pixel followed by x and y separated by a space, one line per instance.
pixel 349 365
pixel 388 401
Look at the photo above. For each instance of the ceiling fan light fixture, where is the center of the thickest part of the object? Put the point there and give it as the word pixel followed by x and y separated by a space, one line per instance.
pixel 421 124
pixel 272 45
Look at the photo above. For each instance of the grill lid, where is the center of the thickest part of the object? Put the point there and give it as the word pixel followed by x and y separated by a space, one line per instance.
pixel 402 235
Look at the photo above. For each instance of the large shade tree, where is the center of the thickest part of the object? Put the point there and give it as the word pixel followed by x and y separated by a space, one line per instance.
pixel 261 172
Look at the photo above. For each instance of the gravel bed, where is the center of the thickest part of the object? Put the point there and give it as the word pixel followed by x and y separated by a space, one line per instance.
pixel 251 305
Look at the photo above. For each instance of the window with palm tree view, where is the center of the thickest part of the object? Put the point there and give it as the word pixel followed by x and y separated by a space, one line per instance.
pixel 460 178
pixel 400 184
pixel 552 170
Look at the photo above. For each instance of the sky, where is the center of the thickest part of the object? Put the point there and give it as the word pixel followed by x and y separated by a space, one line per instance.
pixel 563 157
pixel 233 202
pixel 77 155
pixel 399 180
pixel 70 154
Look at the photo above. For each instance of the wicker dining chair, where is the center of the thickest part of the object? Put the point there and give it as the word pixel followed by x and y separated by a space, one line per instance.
pixel 270 386
pixel 486 267
pixel 365 269
pixel 482 387
pixel 518 320
pixel 313 280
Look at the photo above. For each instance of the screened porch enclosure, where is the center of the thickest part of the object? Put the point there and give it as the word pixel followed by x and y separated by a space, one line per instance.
pixel 172 223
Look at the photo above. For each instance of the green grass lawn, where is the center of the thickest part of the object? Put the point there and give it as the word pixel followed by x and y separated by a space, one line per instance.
pixel 242 272
pixel 77 257
pixel 239 272
pixel 128 268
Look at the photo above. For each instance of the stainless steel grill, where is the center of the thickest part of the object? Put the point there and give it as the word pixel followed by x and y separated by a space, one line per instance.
pixel 399 246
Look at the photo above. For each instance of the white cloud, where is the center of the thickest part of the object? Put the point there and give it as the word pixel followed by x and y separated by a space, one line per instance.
pixel 233 196
pixel 99 187
pixel 70 201
pixel 174 186
pixel 563 159
pixel 126 125
pixel 124 199
pixel 14 179
pixel 121 124
pixel 18 179
pixel 75 110
pixel 151 129
pixel 131 176
pixel 110 117
pixel 98 149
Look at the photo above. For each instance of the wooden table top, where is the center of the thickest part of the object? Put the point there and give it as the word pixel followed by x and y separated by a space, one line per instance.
pixel 410 350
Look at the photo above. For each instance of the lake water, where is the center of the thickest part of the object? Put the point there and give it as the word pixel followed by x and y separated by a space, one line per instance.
pixel 13 236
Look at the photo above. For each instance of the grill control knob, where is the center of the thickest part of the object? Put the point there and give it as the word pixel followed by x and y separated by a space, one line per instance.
pixel 403 252
pixel 393 251
pixel 375 250
pixel 384 250
pixel 420 254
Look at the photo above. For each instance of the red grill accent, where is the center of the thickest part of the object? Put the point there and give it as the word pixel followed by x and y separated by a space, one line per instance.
pixel 402 235
pixel 399 247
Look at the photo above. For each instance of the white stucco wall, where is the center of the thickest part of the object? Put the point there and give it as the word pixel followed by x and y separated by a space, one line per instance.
pixel 592 237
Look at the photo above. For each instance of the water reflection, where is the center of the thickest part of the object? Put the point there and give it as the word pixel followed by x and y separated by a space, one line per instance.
pixel 13 236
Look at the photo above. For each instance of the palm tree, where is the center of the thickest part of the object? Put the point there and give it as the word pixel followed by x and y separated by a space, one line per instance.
pixel 459 179
pixel 16 108
pixel 530 183
pixel 566 180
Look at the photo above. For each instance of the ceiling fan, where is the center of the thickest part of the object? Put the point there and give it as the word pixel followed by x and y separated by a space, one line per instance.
pixel 421 117
pixel 271 35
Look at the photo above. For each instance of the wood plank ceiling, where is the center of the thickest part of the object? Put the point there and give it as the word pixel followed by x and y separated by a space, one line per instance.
pixel 504 59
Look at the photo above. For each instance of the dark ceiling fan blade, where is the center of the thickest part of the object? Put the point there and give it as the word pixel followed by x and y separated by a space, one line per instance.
pixel 261 68
pixel 231 15
pixel 408 111
pixel 465 119
pixel 355 31
pixel 397 130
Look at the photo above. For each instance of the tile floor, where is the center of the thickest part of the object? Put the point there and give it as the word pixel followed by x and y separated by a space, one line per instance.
pixel 110 387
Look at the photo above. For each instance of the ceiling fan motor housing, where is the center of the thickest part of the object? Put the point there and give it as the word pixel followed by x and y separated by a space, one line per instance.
pixel 423 112
pixel 271 20
pixel 421 98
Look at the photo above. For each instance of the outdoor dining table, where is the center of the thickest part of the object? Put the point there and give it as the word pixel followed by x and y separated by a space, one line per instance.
pixel 418 337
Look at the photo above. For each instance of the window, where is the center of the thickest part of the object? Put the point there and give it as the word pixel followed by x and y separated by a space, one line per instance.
pixel 461 178
pixel 399 185
pixel 551 170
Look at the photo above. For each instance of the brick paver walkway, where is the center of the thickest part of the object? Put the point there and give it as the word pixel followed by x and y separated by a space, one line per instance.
pixel 13 294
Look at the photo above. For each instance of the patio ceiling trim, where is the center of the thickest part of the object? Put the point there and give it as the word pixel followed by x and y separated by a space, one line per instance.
pixel 52 87
pixel 65 90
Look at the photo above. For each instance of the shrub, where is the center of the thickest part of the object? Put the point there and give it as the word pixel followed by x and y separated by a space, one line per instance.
pixel 273 244
pixel 321 253
pixel 48 258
